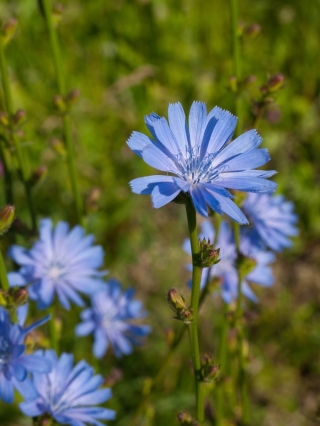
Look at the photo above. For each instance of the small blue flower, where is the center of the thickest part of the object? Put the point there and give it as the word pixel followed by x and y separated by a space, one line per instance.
pixel 14 363
pixel 204 163
pixel 69 394
pixel 273 221
pixel 62 262
pixel 112 319
pixel 225 271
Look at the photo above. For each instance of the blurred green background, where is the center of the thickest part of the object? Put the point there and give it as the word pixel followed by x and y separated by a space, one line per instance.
pixel 129 58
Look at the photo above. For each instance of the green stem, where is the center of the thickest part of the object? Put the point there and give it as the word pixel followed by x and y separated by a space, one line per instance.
pixel 195 295
pixel 56 55
pixel 54 338
pixel 4 283
pixel 7 174
pixel 236 59
pixel 18 151
pixel 242 380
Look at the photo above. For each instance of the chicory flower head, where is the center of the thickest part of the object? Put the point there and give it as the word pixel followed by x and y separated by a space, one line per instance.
pixel 69 394
pixel 226 272
pixel 112 320
pixel 14 363
pixel 62 262
pixel 199 160
pixel 272 221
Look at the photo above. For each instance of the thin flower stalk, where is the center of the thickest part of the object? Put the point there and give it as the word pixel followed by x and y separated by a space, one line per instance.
pixel 25 174
pixel 195 297
pixel 56 56
pixel 242 379
pixel 4 283
pixel 236 59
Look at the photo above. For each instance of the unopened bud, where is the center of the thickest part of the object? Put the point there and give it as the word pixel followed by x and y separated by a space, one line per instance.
pixel 38 174
pixel 114 377
pixel 208 255
pixel 19 296
pixel 178 305
pixel 59 103
pixel 4 118
pixel 19 116
pixel 58 146
pixel 233 82
pixel 93 198
pixel 245 265
pixel 249 80
pixel 7 215
pixel 252 31
pixel 209 371
pixel 72 97
pixel 9 30
pixel 57 13
pixel 275 83
pixel 186 419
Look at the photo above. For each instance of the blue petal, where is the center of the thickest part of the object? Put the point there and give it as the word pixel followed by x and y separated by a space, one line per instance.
pixel 197 122
pixel 146 185
pixel 243 182
pixel 153 156
pixel 178 125
pixel 138 142
pixel 100 345
pixel 227 206
pixel 85 328
pixel 6 389
pixel 166 137
pixel 163 193
pixel 246 142
pixel 36 363
pixel 19 255
pixel 31 409
pixel 248 160
pixel 198 200
pixel 26 389
pixel 222 130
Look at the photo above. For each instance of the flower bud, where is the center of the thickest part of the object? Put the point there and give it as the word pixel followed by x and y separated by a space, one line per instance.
pixel 59 103
pixel 249 80
pixel 7 215
pixel 186 419
pixel 72 97
pixel 19 296
pixel 9 30
pixel 38 174
pixel 4 118
pixel 275 83
pixel 233 83
pixel 252 31
pixel 19 117
pixel 245 265
pixel 177 304
pixel 58 146
pixel 208 255
pixel 209 371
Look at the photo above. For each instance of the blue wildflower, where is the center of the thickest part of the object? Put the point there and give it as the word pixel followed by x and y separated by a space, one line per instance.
pixel 199 155
pixel 62 262
pixel 14 363
pixel 225 271
pixel 273 221
pixel 112 319
pixel 69 394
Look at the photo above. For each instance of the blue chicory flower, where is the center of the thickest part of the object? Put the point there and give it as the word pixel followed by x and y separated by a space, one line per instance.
pixel 272 221
pixel 205 165
pixel 112 320
pixel 225 271
pixel 14 363
pixel 62 262
pixel 69 394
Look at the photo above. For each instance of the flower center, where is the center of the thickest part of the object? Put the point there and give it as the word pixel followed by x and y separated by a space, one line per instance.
pixel 195 169
pixel 55 271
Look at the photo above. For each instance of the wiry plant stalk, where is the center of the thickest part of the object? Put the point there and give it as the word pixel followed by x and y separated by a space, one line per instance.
pixel 56 56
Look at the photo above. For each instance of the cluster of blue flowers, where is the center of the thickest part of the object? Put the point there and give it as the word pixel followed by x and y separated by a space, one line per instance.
pixel 62 264
pixel 200 161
